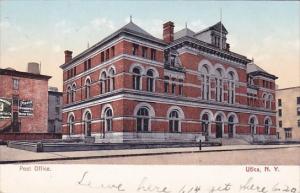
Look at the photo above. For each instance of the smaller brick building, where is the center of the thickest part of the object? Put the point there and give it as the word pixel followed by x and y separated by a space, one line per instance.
pixel 28 94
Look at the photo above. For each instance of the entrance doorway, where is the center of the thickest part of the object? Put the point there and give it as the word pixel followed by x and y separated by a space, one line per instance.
pixel 219 127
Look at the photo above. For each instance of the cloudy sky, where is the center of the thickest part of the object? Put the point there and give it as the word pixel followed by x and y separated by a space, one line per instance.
pixel 39 31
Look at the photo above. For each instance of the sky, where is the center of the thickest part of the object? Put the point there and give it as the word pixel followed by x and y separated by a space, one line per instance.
pixel 40 31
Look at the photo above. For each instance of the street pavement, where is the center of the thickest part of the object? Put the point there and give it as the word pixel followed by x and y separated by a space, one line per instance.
pixel 11 155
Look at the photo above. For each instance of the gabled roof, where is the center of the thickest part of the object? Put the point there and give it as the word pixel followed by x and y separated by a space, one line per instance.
pixel 216 27
pixel 184 32
pixel 255 70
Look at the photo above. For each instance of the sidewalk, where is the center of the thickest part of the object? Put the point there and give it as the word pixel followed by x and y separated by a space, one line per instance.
pixel 11 155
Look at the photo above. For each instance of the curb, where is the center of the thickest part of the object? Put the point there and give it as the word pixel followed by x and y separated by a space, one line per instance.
pixel 136 154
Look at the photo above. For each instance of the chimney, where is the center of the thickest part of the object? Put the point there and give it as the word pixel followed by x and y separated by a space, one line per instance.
pixel 168 32
pixel 68 56
pixel 33 67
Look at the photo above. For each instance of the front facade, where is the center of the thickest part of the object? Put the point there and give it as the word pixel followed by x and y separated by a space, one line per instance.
pixel 23 97
pixel 54 110
pixel 288 113
pixel 184 87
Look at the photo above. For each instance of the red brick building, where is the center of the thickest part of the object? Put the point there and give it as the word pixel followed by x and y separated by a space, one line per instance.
pixel 28 94
pixel 186 86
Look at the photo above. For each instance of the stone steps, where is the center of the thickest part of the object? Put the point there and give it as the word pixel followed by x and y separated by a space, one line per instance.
pixel 234 141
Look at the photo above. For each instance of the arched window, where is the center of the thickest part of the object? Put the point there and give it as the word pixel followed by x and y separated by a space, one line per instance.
pixel 231 126
pixel 108 119
pixel 267 127
pixel 143 118
pixel 205 83
pixel 87 88
pixel 174 121
pixel 219 126
pixel 73 92
pixel 267 100
pixel 253 126
pixel 71 124
pixel 69 94
pixel 103 82
pixel 112 79
pixel 87 123
pixel 269 106
pixel 150 81
pixel 205 124
pixel 136 79
pixel 231 88
pixel 219 85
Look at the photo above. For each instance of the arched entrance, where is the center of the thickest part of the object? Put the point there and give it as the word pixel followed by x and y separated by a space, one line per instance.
pixel 219 126
pixel 205 125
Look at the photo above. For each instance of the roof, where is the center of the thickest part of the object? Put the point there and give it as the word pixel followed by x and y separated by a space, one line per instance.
pixel 23 74
pixel 251 67
pixel 209 48
pixel 216 27
pixel 254 69
pixel 184 32
pixel 130 28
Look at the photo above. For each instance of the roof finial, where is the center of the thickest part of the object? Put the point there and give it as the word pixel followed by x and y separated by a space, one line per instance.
pixel 252 59
pixel 186 25
pixel 130 18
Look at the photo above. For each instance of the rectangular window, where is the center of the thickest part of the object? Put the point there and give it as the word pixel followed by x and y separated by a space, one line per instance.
pixel 113 51
pixel 288 133
pixel 89 63
pixel 72 72
pixel 153 54
pixel 279 102
pixel 57 99
pixel 180 87
pixel 75 71
pixel 280 112
pixel 166 84
pixel 298 122
pixel 173 87
pixel 298 111
pixel 298 100
pixel 107 54
pixel 15 84
pixel 280 124
pixel 102 57
pixel 85 65
pixel 57 110
pixel 144 52
pixel 135 49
